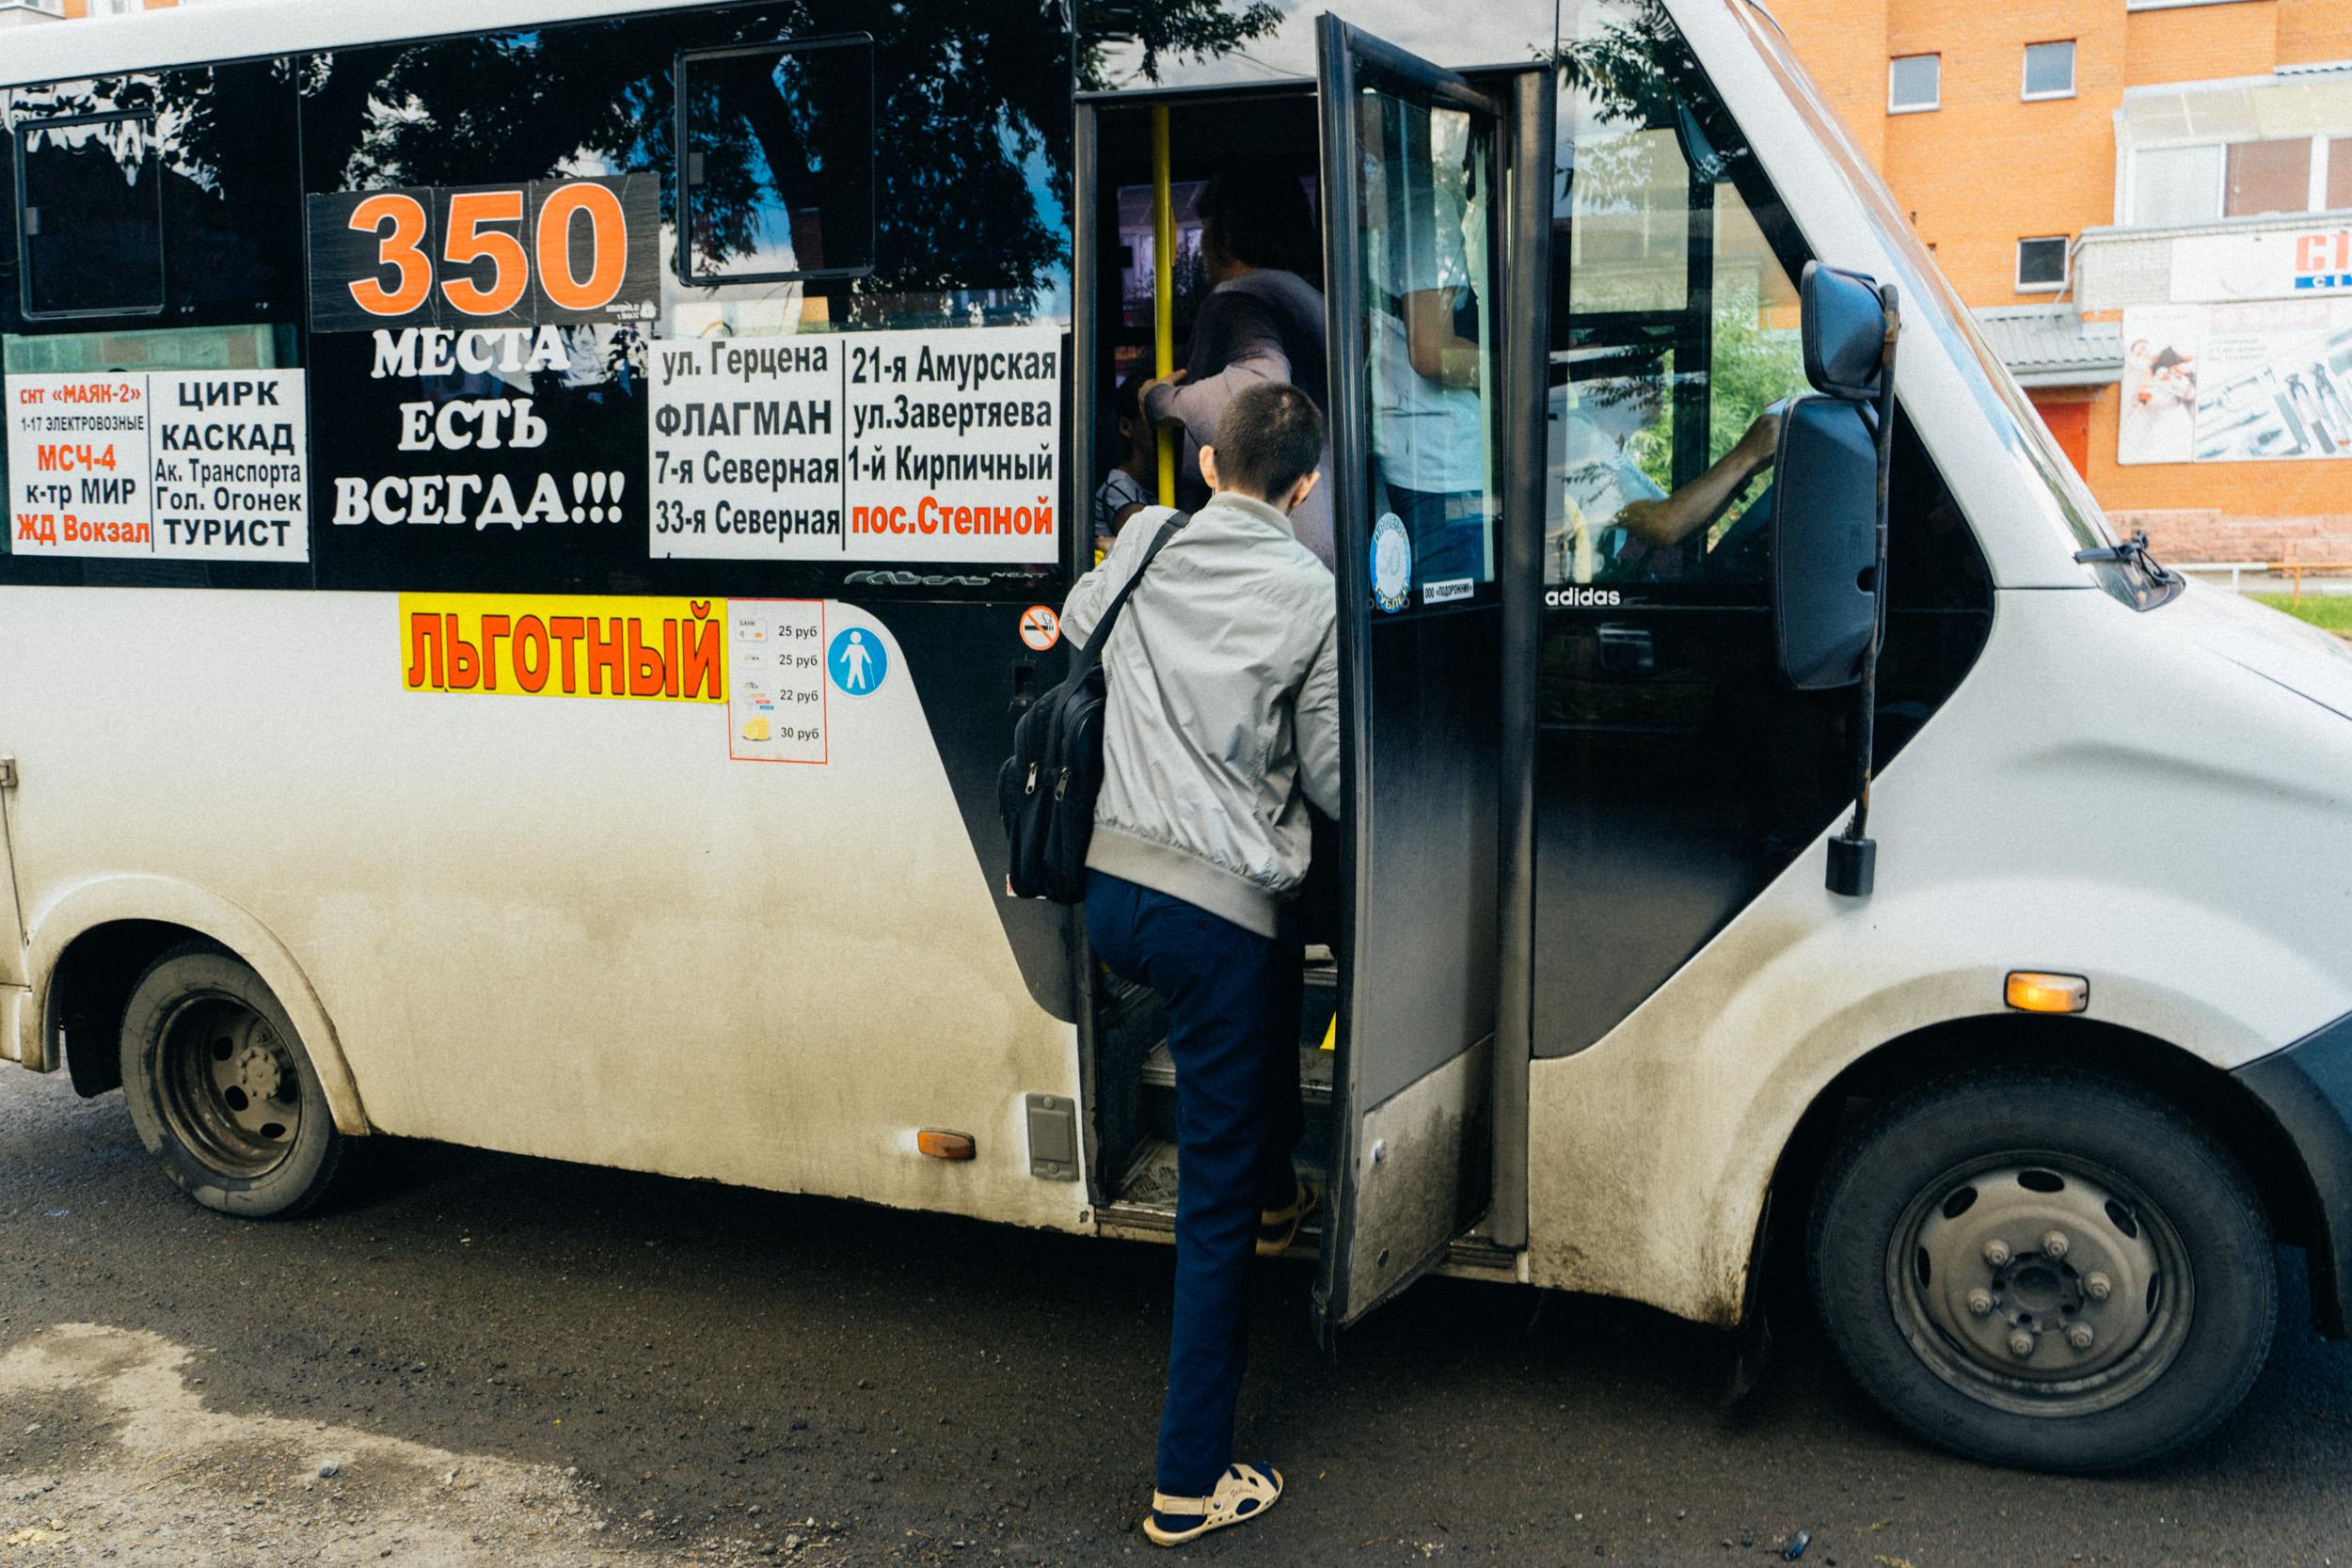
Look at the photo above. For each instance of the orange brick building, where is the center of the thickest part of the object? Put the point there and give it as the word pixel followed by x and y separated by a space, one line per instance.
pixel 2149 204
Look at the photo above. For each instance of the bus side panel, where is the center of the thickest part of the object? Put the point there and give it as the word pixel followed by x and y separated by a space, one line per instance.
pixel 569 927
pixel 2080 804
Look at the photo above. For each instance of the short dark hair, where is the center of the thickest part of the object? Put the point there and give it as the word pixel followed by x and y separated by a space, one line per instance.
pixel 1269 437
pixel 1261 218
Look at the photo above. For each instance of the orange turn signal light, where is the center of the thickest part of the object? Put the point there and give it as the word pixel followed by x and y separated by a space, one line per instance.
pixel 2030 991
pixel 944 1146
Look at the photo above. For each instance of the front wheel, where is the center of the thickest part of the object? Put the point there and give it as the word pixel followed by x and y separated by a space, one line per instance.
pixel 220 1090
pixel 2044 1269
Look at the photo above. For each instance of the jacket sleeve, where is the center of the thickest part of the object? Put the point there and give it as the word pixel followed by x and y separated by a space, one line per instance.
pixel 1092 592
pixel 1317 722
pixel 1254 353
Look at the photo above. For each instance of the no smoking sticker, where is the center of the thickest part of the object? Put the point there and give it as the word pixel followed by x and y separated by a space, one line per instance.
pixel 1041 628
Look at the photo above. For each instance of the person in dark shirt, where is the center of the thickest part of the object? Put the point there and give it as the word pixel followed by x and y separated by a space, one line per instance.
pixel 1263 322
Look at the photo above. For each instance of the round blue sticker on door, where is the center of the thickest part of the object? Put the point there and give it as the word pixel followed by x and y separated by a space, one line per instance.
pixel 857 661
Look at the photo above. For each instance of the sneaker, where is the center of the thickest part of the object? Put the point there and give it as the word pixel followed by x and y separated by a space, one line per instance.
pixel 1278 1228
pixel 1243 1493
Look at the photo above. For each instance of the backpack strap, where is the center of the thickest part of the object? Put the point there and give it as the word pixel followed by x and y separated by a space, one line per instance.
pixel 1092 653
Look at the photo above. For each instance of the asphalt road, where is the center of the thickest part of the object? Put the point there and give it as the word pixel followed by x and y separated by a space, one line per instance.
pixel 490 1361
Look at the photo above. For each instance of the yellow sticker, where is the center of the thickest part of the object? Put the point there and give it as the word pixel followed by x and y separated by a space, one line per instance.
pixel 566 645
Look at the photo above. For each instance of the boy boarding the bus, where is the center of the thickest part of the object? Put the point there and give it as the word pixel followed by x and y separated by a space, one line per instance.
pixel 1221 726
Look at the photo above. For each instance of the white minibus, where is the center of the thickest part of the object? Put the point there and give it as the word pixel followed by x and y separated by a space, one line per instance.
pixel 529 523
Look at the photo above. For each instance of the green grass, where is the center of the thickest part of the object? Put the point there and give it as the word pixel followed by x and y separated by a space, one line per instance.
pixel 2328 611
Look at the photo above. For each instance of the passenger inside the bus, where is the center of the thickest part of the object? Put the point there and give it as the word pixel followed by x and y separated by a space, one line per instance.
pixel 1428 423
pixel 1263 322
pixel 1131 486
pixel 1619 524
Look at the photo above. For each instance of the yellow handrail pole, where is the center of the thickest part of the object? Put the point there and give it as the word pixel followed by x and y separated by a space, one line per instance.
pixel 1163 287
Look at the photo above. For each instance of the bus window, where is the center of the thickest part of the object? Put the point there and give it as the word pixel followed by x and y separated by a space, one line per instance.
pixel 90 206
pixel 1681 324
pixel 1426 247
pixel 791 129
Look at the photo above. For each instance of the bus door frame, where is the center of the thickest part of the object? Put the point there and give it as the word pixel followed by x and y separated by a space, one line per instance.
pixel 1530 96
pixel 1101 1093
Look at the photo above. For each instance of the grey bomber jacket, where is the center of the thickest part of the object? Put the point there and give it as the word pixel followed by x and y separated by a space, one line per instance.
pixel 1223 718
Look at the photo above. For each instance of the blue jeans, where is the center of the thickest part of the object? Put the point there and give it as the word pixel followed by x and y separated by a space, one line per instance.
pixel 1233 1027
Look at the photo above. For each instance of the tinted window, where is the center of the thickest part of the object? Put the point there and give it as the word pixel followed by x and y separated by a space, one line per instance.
pixel 90 209
pixel 1680 332
pixel 169 193
pixel 780 162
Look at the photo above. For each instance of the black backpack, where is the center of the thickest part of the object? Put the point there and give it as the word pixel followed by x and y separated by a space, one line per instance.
pixel 1046 789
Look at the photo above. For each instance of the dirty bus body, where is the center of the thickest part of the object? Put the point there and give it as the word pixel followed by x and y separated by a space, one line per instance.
pixel 527 529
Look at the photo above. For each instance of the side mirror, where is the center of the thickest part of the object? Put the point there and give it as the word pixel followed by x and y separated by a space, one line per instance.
pixel 1829 522
pixel 1824 542
pixel 1845 327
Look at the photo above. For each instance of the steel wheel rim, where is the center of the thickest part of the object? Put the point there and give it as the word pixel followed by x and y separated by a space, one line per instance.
pixel 232 1093
pixel 2106 1312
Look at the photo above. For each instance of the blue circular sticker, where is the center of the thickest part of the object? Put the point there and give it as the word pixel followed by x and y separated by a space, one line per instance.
pixel 857 661
pixel 1392 563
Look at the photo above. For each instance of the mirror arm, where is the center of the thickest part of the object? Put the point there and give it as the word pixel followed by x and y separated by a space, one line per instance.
pixel 1853 854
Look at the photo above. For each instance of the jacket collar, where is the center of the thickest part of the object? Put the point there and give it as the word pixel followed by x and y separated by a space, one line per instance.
pixel 1249 506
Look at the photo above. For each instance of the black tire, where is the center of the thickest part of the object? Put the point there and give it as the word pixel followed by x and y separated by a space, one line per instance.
pixel 221 1090
pixel 1903 1262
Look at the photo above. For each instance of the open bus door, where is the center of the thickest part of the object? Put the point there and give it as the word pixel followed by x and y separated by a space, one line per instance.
pixel 1434 190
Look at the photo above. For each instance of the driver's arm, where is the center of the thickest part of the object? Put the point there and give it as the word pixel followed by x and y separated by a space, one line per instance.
pixel 1693 509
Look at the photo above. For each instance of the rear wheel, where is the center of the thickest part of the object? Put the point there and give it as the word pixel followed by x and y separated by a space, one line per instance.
pixel 220 1090
pixel 2044 1269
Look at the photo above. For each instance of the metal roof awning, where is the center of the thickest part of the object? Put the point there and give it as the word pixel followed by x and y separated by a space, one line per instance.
pixel 2051 346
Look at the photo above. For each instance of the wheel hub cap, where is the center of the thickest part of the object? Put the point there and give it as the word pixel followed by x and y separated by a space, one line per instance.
pixel 232 1092
pixel 2040 1284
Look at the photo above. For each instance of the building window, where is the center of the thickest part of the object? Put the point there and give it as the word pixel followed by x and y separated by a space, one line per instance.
pixel 2340 174
pixel 2050 70
pixel 1913 82
pixel 778 150
pixel 2268 177
pixel 2042 265
pixel 2176 186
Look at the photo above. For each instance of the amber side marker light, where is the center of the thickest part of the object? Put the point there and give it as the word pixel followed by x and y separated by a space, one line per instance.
pixel 944 1146
pixel 2030 990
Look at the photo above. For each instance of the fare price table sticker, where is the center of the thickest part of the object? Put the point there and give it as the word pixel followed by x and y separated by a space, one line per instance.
pixel 189 466
pixel 938 445
pixel 776 703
